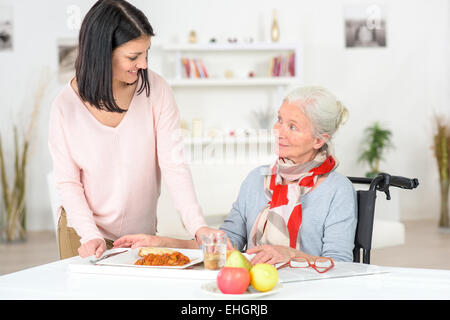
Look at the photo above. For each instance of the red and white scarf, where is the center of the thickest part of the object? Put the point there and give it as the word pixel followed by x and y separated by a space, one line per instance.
pixel 279 221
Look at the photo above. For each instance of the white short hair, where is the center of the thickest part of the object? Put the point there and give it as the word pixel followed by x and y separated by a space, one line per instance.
pixel 322 108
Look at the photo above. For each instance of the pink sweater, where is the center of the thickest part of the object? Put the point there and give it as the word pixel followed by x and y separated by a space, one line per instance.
pixel 109 179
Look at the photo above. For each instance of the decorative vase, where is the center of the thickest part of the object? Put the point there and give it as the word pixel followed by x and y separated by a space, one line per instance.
pixel 441 148
pixel 13 218
pixel 443 220
pixel 192 37
pixel 275 32
pixel 14 231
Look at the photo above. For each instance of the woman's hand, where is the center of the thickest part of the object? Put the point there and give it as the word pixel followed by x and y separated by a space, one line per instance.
pixel 139 240
pixel 207 231
pixel 271 254
pixel 94 246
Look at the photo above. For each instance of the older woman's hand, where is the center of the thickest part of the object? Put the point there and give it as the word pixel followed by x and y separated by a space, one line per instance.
pixel 139 240
pixel 271 254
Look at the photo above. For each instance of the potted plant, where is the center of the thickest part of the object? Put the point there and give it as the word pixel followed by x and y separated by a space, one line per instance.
pixel 13 222
pixel 376 140
pixel 442 153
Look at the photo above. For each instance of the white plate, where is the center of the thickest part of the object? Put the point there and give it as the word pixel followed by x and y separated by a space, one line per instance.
pixel 251 293
pixel 128 259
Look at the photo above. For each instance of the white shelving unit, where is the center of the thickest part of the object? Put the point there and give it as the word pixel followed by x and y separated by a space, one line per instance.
pixel 229 140
pixel 173 53
pixel 257 46
pixel 179 50
pixel 263 82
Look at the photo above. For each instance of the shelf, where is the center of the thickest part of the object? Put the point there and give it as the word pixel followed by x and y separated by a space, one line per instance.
pixel 263 46
pixel 275 81
pixel 228 140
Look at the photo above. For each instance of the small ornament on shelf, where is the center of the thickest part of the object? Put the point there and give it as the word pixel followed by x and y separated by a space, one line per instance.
pixel 184 128
pixel 192 37
pixel 275 31
pixel 197 128
pixel 183 125
pixel 229 74
pixel 213 132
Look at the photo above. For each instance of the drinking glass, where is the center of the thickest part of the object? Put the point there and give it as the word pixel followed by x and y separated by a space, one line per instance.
pixel 214 250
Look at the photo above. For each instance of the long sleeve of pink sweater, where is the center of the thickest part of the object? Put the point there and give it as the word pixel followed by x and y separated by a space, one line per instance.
pixel 109 179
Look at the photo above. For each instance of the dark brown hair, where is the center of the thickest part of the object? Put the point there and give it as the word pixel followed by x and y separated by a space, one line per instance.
pixel 107 25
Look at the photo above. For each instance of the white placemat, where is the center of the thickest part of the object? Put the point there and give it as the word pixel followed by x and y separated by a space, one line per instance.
pixel 340 270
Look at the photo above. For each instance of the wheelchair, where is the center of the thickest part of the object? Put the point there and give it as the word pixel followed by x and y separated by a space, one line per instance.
pixel 366 208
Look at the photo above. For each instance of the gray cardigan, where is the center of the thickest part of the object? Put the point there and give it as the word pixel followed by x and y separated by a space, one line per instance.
pixel 329 215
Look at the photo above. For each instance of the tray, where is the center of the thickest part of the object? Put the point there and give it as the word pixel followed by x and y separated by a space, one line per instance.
pixel 123 265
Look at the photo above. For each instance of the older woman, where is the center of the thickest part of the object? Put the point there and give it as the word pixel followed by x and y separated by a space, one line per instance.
pixel 300 206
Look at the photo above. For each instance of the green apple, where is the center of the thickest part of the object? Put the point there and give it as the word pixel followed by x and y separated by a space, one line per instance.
pixel 238 260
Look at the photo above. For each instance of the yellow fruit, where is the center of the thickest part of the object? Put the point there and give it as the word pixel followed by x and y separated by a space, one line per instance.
pixel 263 277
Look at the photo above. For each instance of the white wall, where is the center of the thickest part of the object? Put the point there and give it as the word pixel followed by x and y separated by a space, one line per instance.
pixel 400 85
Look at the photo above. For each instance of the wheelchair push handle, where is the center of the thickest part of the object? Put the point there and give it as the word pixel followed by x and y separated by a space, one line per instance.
pixel 404 183
pixel 383 181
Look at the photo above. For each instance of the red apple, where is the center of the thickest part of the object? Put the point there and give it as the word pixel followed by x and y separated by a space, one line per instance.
pixel 232 280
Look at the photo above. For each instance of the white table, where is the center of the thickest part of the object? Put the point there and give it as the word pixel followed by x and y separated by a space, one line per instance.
pixel 55 281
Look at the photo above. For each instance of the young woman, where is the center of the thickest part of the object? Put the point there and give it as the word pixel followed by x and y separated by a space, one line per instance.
pixel 114 131
pixel 300 206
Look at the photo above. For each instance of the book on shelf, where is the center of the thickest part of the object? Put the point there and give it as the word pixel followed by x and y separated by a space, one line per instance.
pixel 282 66
pixel 193 68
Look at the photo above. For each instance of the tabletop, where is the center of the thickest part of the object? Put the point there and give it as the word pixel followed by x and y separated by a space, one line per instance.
pixel 57 280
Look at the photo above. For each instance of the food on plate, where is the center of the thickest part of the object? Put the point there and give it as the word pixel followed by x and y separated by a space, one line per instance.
pixel 237 259
pixel 263 277
pixel 147 250
pixel 232 280
pixel 163 257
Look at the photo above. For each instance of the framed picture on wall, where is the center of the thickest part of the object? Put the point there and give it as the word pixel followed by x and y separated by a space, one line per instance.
pixel 365 26
pixel 6 28
pixel 67 54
